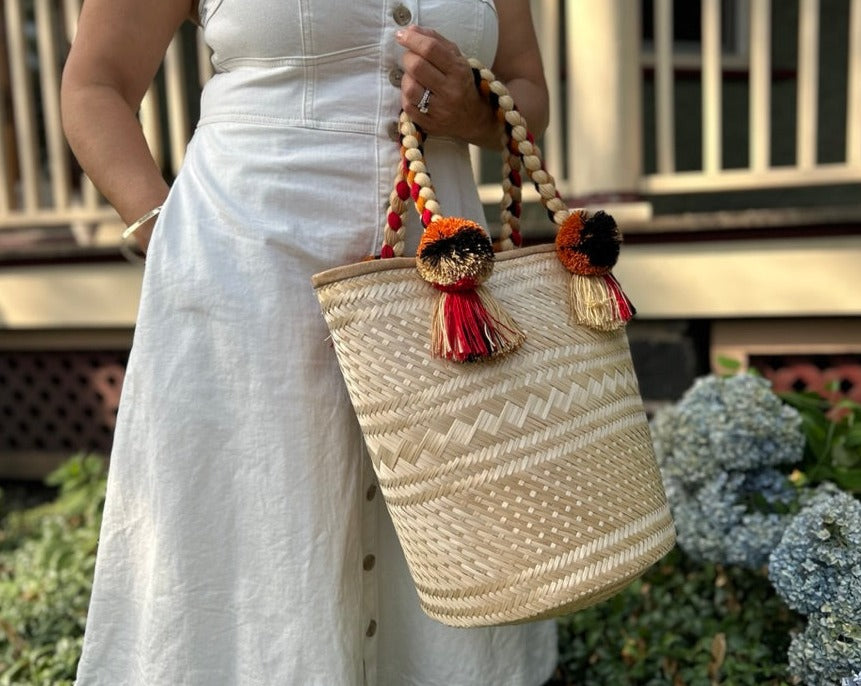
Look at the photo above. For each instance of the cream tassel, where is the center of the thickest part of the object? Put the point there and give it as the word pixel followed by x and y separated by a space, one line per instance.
pixel 594 303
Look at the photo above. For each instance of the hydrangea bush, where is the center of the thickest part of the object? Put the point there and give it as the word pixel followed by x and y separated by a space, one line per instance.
pixel 724 424
pixel 718 448
pixel 816 569
pixel 723 450
pixel 827 652
pixel 817 563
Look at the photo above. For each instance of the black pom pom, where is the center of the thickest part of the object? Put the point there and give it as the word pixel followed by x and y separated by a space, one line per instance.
pixel 465 242
pixel 600 240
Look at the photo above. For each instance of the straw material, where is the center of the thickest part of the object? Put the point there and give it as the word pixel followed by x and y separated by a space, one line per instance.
pixel 521 487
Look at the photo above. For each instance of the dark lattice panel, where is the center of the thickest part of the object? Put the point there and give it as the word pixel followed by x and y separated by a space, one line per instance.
pixel 59 401
pixel 834 376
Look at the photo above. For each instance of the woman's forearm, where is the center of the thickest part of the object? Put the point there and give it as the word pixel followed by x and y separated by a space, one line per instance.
pixel 107 139
pixel 116 53
pixel 531 100
pixel 518 66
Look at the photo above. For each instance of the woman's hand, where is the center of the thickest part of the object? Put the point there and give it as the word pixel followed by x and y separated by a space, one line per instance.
pixel 455 108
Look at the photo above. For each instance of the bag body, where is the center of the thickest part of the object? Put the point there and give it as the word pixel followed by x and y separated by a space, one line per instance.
pixel 521 487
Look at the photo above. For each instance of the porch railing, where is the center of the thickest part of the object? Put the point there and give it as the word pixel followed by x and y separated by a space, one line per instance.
pixel 760 171
pixel 595 63
pixel 40 187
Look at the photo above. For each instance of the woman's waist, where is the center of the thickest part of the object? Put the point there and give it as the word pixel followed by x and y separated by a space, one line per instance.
pixel 359 100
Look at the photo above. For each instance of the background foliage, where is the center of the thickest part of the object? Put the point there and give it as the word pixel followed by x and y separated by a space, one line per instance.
pixel 47 556
pixel 682 624
pixel 685 623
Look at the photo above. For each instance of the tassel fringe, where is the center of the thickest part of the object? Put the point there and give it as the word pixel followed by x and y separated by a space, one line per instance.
pixel 470 325
pixel 599 302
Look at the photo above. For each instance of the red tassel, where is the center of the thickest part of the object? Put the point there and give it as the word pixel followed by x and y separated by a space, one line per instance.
pixel 468 324
pixel 467 327
pixel 624 305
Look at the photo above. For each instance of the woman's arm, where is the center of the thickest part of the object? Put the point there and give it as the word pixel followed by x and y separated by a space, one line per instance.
pixel 455 108
pixel 117 51
pixel 518 63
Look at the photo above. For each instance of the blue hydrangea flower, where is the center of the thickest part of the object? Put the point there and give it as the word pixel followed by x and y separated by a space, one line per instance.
pixel 817 563
pixel 733 423
pixel 718 448
pixel 826 652
pixel 724 521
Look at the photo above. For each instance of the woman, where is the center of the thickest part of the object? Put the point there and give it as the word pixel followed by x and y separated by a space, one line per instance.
pixel 244 541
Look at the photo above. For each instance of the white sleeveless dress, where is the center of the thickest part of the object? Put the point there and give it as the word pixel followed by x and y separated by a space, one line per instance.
pixel 244 542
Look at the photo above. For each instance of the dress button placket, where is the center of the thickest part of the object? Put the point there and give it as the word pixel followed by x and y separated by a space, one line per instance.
pixel 395 76
pixel 370 507
pixel 402 15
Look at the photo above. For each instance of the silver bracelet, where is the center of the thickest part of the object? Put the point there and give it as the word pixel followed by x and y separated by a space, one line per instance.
pixel 140 222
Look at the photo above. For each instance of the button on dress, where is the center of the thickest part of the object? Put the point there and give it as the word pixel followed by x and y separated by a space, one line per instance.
pixel 244 540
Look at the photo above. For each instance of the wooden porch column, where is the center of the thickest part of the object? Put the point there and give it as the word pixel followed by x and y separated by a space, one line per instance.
pixel 605 102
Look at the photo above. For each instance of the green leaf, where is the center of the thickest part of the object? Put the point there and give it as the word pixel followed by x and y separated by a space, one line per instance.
pixel 841 456
pixel 805 400
pixel 729 364
pixel 853 436
pixel 847 479
pixel 816 433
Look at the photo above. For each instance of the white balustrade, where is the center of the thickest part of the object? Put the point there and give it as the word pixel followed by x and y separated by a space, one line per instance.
pixel 595 65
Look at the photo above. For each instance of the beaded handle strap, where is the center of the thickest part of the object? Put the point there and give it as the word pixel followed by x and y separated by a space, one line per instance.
pixel 456 257
pixel 519 150
pixel 587 245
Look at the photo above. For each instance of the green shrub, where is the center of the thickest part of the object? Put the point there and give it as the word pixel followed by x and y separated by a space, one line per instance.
pixel 47 556
pixel 833 431
pixel 683 624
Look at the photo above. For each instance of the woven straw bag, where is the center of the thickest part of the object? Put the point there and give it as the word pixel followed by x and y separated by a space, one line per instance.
pixel 524 485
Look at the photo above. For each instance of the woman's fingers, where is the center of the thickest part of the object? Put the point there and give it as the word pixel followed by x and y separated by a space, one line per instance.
pixel 430 46
pixel 436 109
pixel 448 102
pixel 433 63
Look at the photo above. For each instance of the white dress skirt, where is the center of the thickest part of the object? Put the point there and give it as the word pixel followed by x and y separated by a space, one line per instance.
pixel 244 541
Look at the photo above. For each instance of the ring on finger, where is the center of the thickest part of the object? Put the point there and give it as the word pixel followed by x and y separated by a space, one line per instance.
pixel 425 101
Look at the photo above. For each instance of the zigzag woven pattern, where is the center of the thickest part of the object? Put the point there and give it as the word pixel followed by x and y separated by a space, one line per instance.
pixel 522 487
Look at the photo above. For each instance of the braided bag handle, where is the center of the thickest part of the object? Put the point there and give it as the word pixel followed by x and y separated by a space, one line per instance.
pixel 412 180
pixel 455 255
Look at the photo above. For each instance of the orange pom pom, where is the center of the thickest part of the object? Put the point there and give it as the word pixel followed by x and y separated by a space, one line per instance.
pixel 455 251
pixel 446 227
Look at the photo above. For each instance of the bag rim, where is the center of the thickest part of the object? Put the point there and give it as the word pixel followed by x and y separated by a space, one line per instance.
pixel 349 271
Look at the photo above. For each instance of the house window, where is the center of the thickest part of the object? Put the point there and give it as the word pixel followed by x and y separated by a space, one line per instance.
pixel 687 32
